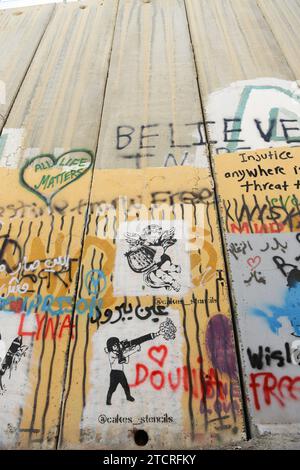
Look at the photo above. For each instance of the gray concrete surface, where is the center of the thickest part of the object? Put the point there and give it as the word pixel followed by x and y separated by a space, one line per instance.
pixel 269 441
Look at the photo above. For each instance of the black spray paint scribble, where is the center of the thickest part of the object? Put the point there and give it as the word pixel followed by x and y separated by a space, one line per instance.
pixel 147 255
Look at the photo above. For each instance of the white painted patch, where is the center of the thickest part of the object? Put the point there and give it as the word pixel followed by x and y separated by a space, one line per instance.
pixel 2 92
pixel 3 350
pixel 261 99
pixel 98 416
pixel 58 151
pixel 157 263
pixel 12 149
pixel 11 143
pixel 15 384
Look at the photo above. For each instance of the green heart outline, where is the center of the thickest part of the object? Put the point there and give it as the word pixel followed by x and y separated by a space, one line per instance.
pixel 54 160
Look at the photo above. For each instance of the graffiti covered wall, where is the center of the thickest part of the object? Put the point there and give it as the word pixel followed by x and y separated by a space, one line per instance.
pixel 257 189
pixel 152 253
pixel 146 331
pixel 259 201
pixel 40 254
pixel 115 312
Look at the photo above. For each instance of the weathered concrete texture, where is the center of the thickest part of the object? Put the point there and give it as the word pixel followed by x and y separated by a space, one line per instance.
pixel 269 441
pixel 113 91
pixel 264 271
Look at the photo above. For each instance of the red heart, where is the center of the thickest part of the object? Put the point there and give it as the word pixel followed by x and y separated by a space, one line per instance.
pixel 254 262
pixel 158 354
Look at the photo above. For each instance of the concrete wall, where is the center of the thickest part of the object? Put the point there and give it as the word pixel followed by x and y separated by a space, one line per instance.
pixel 116 135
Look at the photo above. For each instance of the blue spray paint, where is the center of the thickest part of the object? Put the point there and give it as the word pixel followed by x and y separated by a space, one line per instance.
pixel 289 309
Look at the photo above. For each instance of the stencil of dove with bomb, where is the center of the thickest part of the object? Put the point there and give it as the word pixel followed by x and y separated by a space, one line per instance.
pixel 148 255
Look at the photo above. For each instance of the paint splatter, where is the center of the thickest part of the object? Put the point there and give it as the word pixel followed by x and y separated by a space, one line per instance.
pixel 289 309
pixel 220 346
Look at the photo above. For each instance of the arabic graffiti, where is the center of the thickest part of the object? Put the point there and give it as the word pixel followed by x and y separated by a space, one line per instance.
pixel 126 312
pixel 291 303
pixel 236 248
